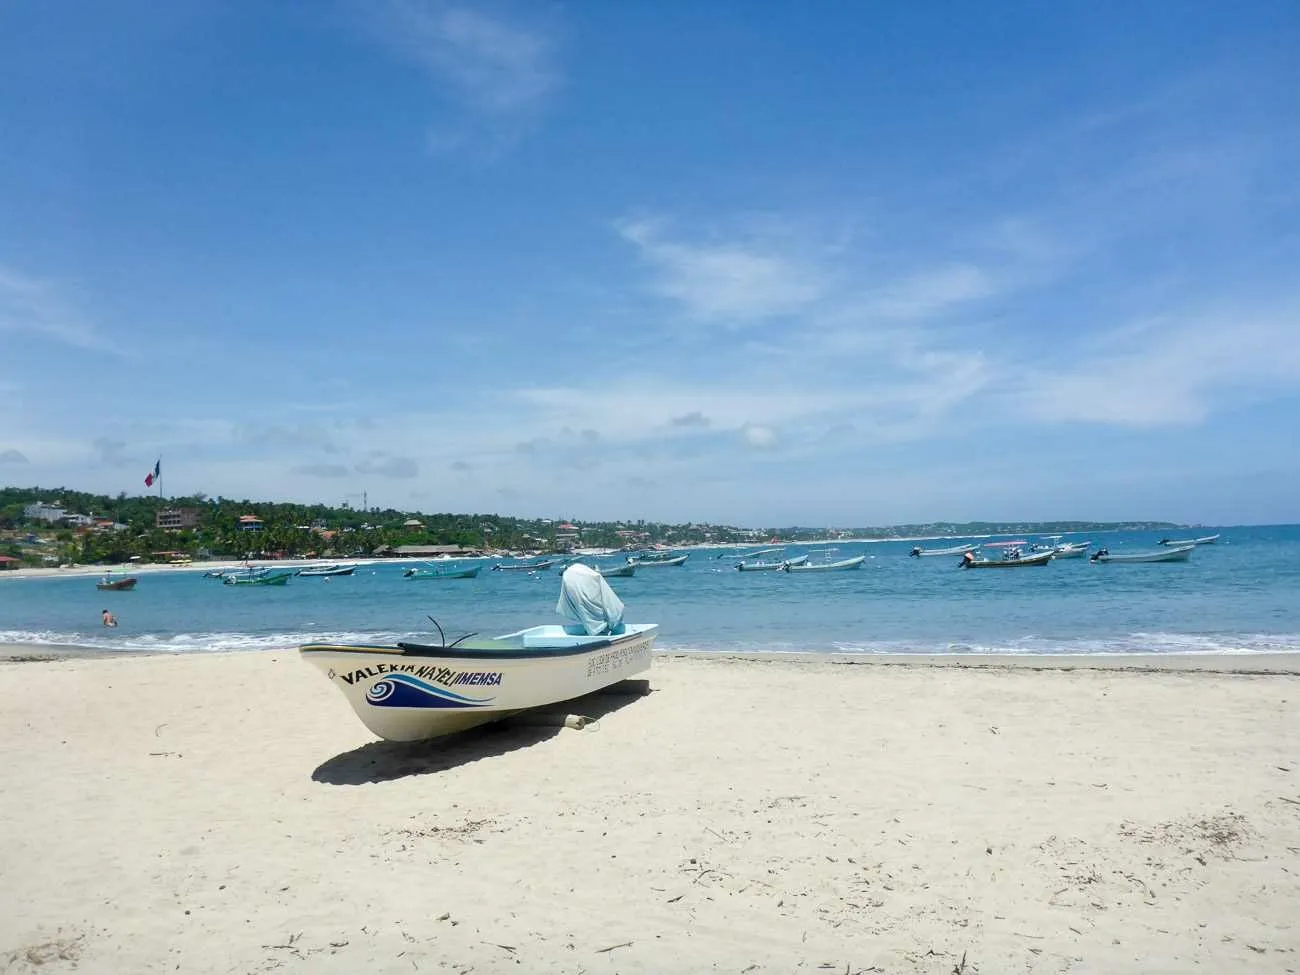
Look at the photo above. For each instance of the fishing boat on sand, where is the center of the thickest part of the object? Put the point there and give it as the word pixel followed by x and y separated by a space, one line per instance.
pixel 117 585
pixel 1181 542
pixel 771 566
pixel 657 563
pixel 415 691
pixel 1162 555
pixel 328 570
pixel 524 566
pixel 451 572
pixel 1011 560
pixel 843 565
pixel 918 552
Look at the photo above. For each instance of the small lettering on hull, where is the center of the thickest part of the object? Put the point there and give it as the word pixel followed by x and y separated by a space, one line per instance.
pixel 612 661
pixel 440 675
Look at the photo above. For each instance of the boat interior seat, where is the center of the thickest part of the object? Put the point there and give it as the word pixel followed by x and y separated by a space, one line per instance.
pixel 574 629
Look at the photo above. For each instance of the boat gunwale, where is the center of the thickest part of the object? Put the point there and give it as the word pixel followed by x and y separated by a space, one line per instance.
pixel 404 649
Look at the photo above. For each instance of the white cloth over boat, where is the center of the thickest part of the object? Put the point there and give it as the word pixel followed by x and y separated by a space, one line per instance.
pixel 588 603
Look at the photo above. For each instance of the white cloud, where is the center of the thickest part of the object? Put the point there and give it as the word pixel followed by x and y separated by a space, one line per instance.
pixel 33 306
pixel 930 292
pixel 727 282
pixel 759 436
pixel 1170 373
pixel 499 72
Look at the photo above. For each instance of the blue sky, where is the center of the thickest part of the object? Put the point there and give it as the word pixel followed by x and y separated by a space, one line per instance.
pixel 836 263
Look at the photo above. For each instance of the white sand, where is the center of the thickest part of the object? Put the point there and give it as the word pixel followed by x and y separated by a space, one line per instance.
pixel 228 813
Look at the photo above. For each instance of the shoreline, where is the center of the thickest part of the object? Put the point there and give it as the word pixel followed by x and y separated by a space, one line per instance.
pixel 1262 663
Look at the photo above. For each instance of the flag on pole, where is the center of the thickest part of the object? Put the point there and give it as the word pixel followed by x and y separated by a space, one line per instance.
pixel 154 474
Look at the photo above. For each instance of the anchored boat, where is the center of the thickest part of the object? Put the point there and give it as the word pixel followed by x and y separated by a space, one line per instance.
pixel 619 571
pixel 919 553
pixel 771 566
pixel 117 585
pixel 328 570
pixel 1180 543
pixel 1011 560
pixel 457 572
pixel 413 691
pixel 657 563
pixel 1165 555
pixel 841 566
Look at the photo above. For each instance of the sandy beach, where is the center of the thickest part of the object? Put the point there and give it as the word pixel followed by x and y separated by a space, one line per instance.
pixel 228 813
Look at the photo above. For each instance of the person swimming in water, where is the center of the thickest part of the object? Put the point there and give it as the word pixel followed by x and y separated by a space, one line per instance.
pixel 108 618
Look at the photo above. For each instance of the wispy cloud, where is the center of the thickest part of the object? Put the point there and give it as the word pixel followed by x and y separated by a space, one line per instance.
pixel 1170 372
pixel 322 470
pixel 33 306
pixel 394 466
pixel 499 72
pixel 729 282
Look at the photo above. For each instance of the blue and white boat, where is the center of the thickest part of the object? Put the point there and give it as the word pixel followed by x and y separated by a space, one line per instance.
pixel 414 691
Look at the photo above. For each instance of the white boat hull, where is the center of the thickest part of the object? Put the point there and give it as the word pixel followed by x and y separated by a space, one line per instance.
pixel 842 566
pixel 1072 551
pixel 921 553
pixel 1168 555
pixel 657 563
pixel 411 693
pixel 1184 542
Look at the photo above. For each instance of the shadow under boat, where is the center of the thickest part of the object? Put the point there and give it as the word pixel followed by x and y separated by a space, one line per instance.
pixel 384 761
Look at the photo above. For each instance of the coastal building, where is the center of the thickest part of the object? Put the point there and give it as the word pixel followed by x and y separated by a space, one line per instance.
pixel 424 551
pixel 8 563
pixel 40 511
pixel 177 519
pixel 250 523
pixel 413 523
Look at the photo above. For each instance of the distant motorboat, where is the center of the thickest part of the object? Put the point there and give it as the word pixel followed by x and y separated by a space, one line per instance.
pixel 524 567
pixel 771 566
pixel 457 572
pixel 258 577
pixel 117 585
pixel 1009 561
pixel 843 565
pixel 1181 542
pixel 328 570
pixel 1071 550
pixel 753 555
pixel 657 563
pixel 619 571
pixel 919 552
pixel 1164 555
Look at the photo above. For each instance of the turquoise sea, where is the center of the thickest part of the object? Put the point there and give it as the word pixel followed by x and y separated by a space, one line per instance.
pixel 1241 595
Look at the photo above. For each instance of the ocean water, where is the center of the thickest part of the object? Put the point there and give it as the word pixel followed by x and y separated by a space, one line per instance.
pixel 1241 595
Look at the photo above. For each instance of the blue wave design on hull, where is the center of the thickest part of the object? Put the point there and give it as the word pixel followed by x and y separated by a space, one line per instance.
pixel 405 691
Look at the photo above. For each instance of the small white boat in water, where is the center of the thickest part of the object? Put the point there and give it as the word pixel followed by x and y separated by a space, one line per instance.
pixel 1165 555
pixel 328 570
pixel 1181 542
pixel 843 565
pixel 1071 550
pixel 1011 560
pixel 618 571
pixel 657 563
pixel 771 566
pixel 414 691
pixel 920 553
